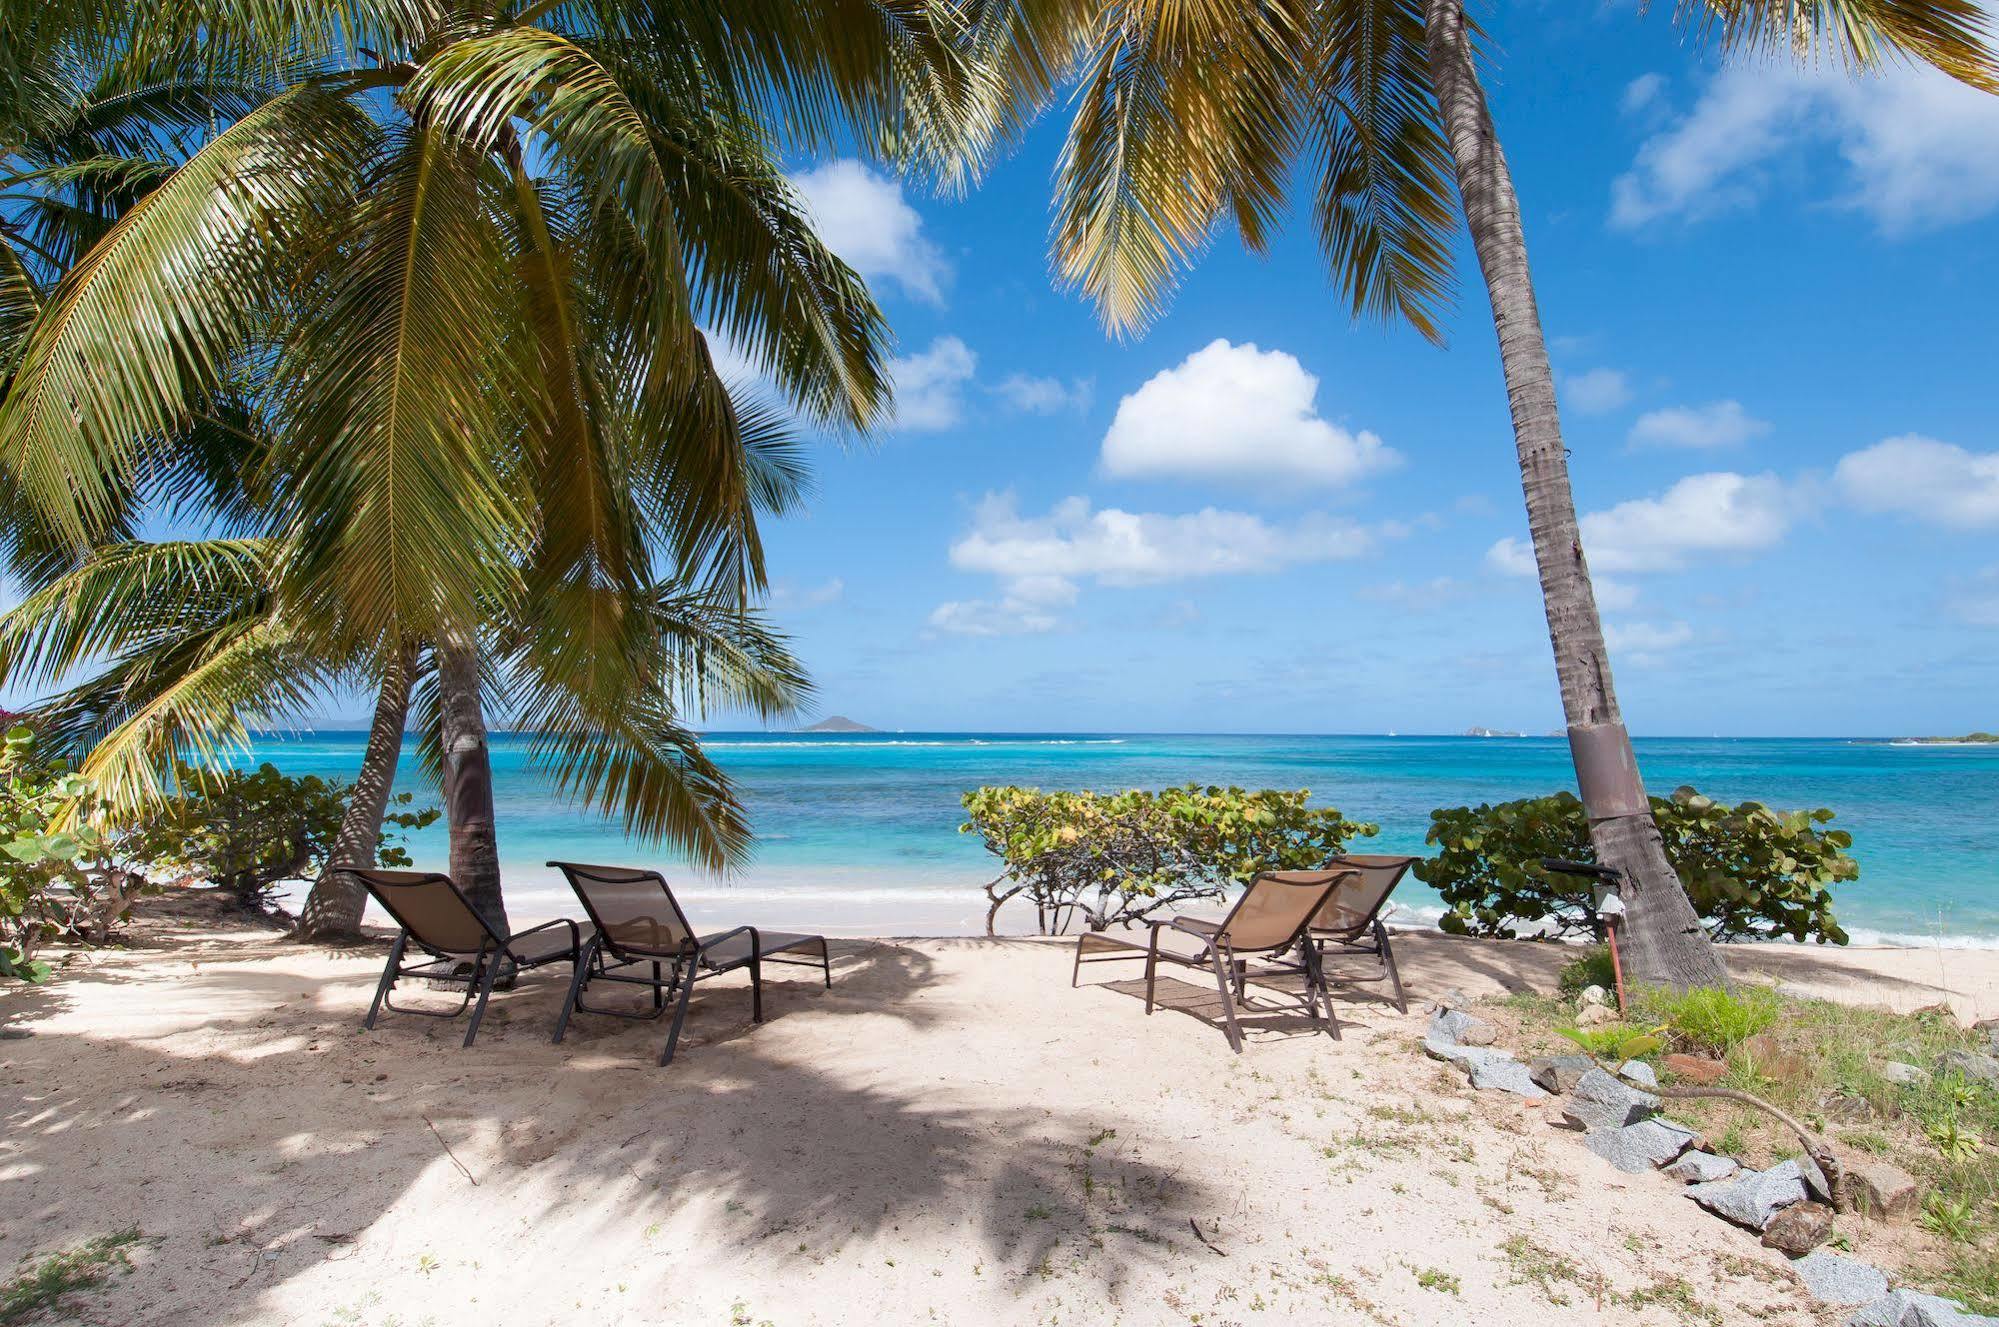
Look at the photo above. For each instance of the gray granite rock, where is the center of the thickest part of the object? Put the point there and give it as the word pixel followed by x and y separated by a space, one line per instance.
pixel 1753 1198
pixel 1834 1279
pixel 1637 1148
pixel 1639 1072
pixel 1990 1027
pixel 1906 1308
pixel 1601 1102
pixel 1499 1071
pixel 1978 1068
pixel 1895 1071
pixel 1560 1073
pixel 1703 1168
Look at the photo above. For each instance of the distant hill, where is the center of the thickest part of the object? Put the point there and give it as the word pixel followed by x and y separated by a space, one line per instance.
pixel 838 723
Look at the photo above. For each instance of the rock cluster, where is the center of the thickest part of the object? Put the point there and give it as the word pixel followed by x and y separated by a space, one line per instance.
pixel 1788 1204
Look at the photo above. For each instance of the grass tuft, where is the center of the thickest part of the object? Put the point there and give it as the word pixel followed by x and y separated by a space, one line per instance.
pixel 38 1286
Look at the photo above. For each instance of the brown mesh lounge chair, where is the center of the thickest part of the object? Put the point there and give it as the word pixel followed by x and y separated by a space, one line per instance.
pixel 639 924
pixel 1350 921
pixel 1269 919
pixel 461 946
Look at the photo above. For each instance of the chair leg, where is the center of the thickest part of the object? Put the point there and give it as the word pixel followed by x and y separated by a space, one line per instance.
pixel 576 981
pixel 1151 975
pixel 679 1013
pixel 1315 987
pixel 658 994
pixel 756 987
pixel 490 974
pixel 826 962
pixel 1076 970
pixel 1241 981
pixel 1221 967
pixel 1388 961
pixel 388 979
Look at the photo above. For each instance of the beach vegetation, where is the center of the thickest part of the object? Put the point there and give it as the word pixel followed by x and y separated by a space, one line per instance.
pixel 60 877
pixel 1714 1020
pixel 1593 967
pixel 1823 1062
pixel 248 831
pixel 40 1286
pixel 1752 872
pixel 1616 1042
pixel 1114 859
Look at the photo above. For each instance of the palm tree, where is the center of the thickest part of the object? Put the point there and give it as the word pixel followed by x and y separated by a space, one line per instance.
pixel 1189 113
pixel 459 263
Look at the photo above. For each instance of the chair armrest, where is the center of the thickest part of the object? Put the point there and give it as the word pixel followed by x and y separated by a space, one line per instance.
pixel 756 944
pixel 575 935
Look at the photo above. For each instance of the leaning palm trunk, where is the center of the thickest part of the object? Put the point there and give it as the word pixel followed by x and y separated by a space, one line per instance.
pixel 468 779
pixel 333 910
pixel 1663 936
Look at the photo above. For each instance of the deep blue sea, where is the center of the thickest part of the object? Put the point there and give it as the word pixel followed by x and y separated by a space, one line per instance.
pixel 859 834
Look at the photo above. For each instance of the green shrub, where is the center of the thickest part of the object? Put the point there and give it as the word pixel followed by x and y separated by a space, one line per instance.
pixel 1751 872
pixel 53 879
pixel 1712 1019
pixel 1593 968
pixel 1616 1041
pixel 1116 858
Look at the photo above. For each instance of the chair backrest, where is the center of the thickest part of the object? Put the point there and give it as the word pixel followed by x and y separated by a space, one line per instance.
pixel 634 910
pixel 431 908
pixel 1275 909
pixel 1359 900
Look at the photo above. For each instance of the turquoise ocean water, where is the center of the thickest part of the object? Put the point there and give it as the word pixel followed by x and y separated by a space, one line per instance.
pixel 858 834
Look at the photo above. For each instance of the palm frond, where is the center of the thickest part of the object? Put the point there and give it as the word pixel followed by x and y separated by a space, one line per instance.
pixel 399 465
pixel 1955 36
pixel 1187 113
pixel 1385 208
pixel 147 323
pixel 135 596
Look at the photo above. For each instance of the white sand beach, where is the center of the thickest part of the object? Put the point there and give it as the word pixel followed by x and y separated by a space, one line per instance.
pixel 950 1135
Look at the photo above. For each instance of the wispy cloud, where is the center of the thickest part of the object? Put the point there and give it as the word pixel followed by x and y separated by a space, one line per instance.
pixel 862 216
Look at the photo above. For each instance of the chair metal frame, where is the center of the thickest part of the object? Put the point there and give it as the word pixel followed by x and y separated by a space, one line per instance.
pixel 446 965
pixel 1350 940
pixel 1220 956
pixel 691 963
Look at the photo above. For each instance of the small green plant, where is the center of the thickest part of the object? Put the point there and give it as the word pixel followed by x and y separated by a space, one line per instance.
pixel 1039 1212
pixel 1715 1020
pixel 39 1286
pixel 1592 968
pixel 1616 1041
pixel 1957 1143
pixel 1439 1280
pixel 1952 1218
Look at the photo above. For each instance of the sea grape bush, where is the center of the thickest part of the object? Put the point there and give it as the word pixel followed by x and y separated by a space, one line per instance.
pixel 248 831
pixel 1753 873
pixel 55 877
pixel 1110 859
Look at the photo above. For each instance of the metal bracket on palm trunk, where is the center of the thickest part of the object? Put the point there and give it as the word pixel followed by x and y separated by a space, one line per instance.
pixel 1607 772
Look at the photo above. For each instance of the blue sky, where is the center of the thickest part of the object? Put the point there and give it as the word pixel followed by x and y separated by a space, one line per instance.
pixel 1767 294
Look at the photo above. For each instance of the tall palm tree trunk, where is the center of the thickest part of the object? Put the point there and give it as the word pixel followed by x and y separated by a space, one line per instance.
pixel 333 909
pixel 468 778
pixel 1662 935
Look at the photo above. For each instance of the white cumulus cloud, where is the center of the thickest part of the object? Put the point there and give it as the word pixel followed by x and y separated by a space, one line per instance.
pixel 1921 477
pixel 1040 561
pixel 1596 391
pixel 861 215
pixel 1918 150
pixel 930 386
pixel 1045 396
pixel 1713 514
pixel 1717 424
pixel 1645 643
pixel 1236 413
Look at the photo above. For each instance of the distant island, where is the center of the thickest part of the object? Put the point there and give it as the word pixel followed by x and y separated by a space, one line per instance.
pixel 1490 732
pixel 838 723
pixel 1969 739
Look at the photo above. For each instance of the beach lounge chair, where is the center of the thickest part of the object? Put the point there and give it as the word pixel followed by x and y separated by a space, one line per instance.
pixel 1350 921
pixel 458 944
pixel 1269 919
pixel 639 924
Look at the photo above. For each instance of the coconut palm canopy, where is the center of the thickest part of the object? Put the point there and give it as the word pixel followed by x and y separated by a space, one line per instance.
pixel 407 300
